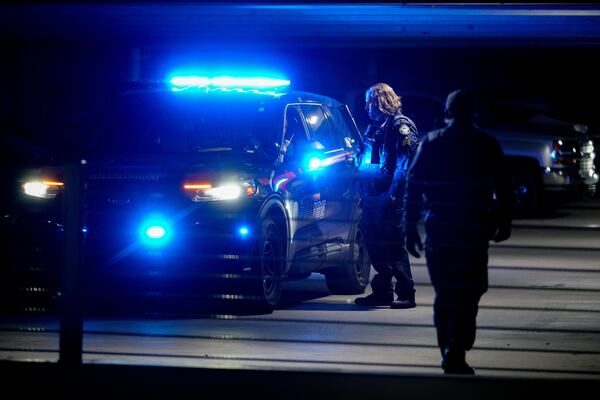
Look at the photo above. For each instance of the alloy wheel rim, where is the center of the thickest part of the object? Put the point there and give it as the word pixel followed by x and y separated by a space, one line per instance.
pixel 268 268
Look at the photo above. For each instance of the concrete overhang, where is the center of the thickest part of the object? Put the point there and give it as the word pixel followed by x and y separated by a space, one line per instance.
pixel 314 25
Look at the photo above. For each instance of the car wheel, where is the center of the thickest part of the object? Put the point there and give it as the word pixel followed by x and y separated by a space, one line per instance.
pixel 353 277
pixel 527 193
pixel 267 268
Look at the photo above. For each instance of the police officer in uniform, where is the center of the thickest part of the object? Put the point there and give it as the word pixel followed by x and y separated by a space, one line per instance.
pixel 391 140
pixel 459 174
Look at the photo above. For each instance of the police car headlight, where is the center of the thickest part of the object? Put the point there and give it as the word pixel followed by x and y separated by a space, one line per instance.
pixel 226 191
pixel 44 189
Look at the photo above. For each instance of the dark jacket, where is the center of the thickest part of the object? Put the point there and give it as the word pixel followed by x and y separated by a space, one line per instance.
pixel 461 174
pixel 390 149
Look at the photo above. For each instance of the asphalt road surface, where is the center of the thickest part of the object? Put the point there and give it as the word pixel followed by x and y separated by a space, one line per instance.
pixel 539 319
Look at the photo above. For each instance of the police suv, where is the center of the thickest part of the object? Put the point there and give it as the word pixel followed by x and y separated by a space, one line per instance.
pixel 237 179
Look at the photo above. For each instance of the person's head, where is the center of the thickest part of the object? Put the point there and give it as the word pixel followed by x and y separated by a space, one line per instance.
pixel 460 106
pixel 381 101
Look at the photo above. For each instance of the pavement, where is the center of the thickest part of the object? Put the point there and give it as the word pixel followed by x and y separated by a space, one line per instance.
pixel 538 334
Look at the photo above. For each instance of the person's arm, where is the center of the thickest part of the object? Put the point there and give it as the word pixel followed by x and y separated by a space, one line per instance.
pixel 504 195
pixel 413 195
pixel 407 141
pixel 413 190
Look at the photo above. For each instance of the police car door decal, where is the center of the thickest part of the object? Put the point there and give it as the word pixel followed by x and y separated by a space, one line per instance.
pixel 312 207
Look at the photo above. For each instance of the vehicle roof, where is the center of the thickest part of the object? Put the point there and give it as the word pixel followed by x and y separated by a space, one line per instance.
pixel 308 97
pixel 292 96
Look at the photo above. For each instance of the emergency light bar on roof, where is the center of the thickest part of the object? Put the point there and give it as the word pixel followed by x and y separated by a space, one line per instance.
pixel 227 83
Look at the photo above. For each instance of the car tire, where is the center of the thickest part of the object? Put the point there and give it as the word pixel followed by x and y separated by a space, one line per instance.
pixel 265 283
pixel 527 192
pixel 353 277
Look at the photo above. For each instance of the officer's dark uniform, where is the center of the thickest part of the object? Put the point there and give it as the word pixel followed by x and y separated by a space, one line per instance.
pixel 390 147
pixel 459 172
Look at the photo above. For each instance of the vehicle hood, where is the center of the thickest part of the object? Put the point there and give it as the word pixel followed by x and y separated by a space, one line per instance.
pixel 543 125
pixel 157 168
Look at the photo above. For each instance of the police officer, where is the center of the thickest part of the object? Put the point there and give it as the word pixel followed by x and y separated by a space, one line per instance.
pixel 459 175
pixel 391 140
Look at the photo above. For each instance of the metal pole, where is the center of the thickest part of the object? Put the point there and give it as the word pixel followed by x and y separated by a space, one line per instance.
pixel 71 325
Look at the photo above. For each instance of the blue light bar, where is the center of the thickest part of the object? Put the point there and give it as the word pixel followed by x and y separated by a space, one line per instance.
pixel 228 83
pixel 190 81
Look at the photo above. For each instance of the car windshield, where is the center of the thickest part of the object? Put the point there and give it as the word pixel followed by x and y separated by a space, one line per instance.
pixel 185 123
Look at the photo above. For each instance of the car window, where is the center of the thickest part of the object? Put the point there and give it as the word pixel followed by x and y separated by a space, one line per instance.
pixel 170 124
pixel 321 127
pixel 344 122
pixel 294 130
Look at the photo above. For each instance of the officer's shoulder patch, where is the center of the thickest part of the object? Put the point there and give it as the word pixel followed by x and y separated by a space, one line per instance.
pixel 404 129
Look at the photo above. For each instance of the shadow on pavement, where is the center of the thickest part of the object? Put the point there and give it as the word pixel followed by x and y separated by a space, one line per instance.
pixel 95 381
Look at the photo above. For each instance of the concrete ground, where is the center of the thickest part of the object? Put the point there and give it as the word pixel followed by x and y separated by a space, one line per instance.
pixel 539 320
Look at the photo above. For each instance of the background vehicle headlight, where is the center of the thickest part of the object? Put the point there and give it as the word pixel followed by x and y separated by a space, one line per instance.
pixel 42 189
pixel 581 128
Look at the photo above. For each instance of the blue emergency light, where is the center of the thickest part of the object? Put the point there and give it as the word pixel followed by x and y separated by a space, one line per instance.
pixel 155 231
pixel 243 231
pixel 314 163
pixel 229 83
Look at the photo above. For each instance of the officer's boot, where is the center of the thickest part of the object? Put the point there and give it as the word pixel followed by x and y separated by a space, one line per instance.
pixel 375 300
pixel 453 362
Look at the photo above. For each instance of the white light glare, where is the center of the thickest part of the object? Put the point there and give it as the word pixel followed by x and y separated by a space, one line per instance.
pixel 190 81
pixel 35 189
pixel 314 163
pixel 226 192
pixel 156 232
pixel 38 189
pixel 258 83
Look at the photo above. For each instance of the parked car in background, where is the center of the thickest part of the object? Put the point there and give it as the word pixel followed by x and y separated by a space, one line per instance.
pixel 551 160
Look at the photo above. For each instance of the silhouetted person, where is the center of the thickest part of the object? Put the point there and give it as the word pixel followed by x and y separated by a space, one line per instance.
pixel 459 177
pixel 391 140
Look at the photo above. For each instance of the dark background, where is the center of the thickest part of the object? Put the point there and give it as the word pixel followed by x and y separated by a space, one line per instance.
pixel 60 63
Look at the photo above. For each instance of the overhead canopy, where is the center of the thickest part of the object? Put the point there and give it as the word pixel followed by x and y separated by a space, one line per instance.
pixel 308 25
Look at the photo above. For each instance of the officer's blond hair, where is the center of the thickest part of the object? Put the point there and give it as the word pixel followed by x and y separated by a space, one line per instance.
pixel 389 102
